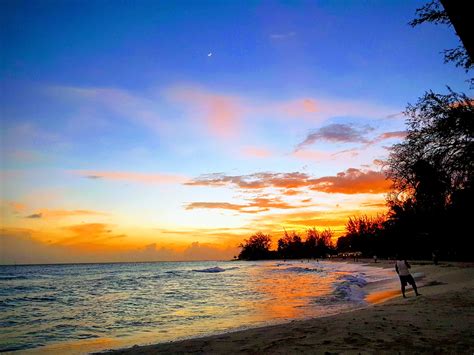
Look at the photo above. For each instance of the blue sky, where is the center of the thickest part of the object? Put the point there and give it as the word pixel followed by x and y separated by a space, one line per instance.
pixel 122 109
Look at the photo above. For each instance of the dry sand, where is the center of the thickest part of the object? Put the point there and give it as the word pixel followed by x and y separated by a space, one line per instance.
pixel 441 320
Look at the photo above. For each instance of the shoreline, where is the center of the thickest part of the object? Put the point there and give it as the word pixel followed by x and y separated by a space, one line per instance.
pixel 440 320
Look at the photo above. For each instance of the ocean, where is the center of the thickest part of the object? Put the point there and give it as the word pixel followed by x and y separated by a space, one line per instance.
pixel 91 307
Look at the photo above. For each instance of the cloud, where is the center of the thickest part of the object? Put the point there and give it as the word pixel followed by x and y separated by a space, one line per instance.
pixel 35 216
pixel 225 115
pixel 314 109
pixel 351 181
pixel 291 192
pixel 220 113
pixel 12 207
pixel 375 204
pixel 46 213
pixel 93 177
pixel 89 235
pixel 194 251
pixel 351 152
pixel 395 115
pixel 252 181
pixel 21 246
pixel 255 206
pixel 338 133
pixel 215 205
pixel 137 109
pixel 389 135
pixel 148 178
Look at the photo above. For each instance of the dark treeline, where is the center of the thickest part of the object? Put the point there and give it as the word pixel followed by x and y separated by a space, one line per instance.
pixel 291 246
pixel 429 205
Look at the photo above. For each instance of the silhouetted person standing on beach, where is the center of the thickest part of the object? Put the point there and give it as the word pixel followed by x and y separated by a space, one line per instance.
pixel 401 267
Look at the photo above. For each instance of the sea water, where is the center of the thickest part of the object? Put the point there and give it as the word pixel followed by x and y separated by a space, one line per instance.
pixel 46 305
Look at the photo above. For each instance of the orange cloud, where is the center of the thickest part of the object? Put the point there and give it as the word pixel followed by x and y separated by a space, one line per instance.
pixel 255 206
pixel 193 251
pixel 221 113
pixel 388 135
pixel 291 192
pixel 27 246
pixel 134 177
pixel 215 205
pixel 46 213
pixel 352 181
pixel 90 236
pixel 253 181
pixel 11 207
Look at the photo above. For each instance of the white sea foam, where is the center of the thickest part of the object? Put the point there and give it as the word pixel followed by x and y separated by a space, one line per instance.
pixel 211 269
pixel 350 288
pixel 301 269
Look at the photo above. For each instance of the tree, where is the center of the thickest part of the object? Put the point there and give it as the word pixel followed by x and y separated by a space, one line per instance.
pixel 256 247
pixel 457 14
pixel 325 244
pixel 363 234
pixel 437 156
pixel 291 246
pixel 311 243
pixel 432 174
pixel 432 169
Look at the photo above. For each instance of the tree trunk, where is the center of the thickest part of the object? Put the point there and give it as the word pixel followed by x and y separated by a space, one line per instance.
pixel 461 16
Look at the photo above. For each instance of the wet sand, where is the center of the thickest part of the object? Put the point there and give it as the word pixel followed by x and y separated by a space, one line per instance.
pixel 441 320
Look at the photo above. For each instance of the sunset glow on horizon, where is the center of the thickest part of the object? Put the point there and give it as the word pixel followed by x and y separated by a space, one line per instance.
pixel 156 131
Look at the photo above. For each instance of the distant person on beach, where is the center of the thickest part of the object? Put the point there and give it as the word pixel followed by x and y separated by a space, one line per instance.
pixel 375 258
pixel 402 268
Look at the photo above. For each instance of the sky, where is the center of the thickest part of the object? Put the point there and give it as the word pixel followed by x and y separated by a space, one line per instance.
pixel 173 130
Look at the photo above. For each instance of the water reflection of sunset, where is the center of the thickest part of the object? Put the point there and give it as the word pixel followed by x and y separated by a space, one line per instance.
pixel 288 294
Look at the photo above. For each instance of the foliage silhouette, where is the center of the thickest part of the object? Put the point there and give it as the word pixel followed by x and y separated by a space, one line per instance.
pixel 290 246
pixel 257 247
pixel 432 172
pixel 452 13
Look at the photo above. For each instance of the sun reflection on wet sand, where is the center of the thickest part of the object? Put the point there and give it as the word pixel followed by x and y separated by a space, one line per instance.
pixel 381 296
pixel 79 346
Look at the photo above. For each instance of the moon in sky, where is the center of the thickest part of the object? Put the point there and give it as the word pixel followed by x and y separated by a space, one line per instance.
pixel 209 54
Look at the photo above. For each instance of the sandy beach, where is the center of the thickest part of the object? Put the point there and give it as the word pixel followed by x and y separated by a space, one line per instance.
pixel 441 320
